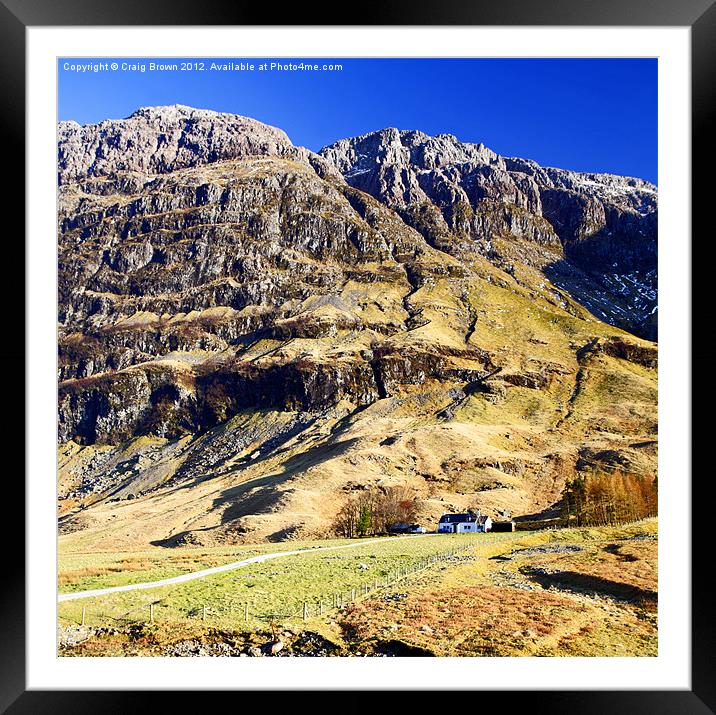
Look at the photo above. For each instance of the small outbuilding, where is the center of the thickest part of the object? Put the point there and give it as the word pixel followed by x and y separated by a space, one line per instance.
pixel 503 525
pixel 401 528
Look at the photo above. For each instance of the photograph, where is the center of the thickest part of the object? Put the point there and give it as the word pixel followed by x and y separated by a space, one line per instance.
pixel 357 357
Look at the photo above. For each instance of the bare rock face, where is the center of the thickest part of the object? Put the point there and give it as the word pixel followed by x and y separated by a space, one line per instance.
pixel 209 257
pixel 356 155
pixel 595 234
pixel 159 140
pixel 468 183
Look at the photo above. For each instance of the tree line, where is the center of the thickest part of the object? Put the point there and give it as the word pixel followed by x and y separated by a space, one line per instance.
pixel 374 511
pixel 607 498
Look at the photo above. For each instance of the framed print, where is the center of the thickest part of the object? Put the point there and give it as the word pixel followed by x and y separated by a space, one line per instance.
pixel 359 357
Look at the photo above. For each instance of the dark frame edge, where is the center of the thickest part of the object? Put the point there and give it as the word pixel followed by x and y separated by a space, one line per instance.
pixel 700 700
pixel 12 352
pixel 703 120
pixel 358 702
pixel 649 13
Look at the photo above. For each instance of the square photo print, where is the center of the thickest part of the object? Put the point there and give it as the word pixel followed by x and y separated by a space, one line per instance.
pixel 357 357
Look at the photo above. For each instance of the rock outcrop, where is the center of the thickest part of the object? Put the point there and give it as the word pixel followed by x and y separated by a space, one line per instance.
pixel 599 230
pixel 159 140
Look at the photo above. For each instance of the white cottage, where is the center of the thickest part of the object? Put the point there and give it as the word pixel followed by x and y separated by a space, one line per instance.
pixel 464 523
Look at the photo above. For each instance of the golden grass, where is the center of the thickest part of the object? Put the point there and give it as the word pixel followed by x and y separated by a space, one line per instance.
pixel 601 601
pixel 483 603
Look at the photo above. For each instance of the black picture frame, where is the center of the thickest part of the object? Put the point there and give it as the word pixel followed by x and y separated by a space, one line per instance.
pixel 699 15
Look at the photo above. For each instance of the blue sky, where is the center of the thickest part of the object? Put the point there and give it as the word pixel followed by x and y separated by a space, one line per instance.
pixel 581 114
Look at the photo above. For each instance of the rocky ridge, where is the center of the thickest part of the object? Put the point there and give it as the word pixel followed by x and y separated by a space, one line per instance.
pixel 159 140
pixel 262 325
pixel 594 235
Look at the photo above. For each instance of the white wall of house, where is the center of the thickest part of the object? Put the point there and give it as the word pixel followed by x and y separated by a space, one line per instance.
pixel 466 526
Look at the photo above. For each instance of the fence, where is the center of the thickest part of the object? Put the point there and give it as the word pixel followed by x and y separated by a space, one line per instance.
pixel 324 603
pixel 253 613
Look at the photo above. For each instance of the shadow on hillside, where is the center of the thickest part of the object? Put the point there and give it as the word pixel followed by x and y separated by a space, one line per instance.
pixel 551 513
pixel 260 496
pixel 180 539
pixel 273 446
pixel 584 583
pixel 604 302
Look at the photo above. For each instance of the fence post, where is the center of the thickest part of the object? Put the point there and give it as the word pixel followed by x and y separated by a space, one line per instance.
pixel 305 610
pixel 320 607
pixel 203 613
pixel 353 594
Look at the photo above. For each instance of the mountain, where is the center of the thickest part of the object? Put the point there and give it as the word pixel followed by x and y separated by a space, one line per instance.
pixel 159 140
pixel 250 332
pixel 593 235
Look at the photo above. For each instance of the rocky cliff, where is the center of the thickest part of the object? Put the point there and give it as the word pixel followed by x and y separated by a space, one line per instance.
pixel 594 235
pixel 263 329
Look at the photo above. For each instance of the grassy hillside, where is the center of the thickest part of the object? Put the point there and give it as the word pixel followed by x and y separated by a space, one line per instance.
pixel 262 341
pixel 273 474
pixel 589 591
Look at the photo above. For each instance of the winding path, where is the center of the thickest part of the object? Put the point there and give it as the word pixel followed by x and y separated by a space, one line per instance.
pixel 219 569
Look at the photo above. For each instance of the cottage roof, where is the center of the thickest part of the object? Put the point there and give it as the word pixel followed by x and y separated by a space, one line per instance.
pixel 458 518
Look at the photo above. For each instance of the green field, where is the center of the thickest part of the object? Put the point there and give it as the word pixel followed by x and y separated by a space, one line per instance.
pixel 84 571
pixel 589 591
pixel 275 589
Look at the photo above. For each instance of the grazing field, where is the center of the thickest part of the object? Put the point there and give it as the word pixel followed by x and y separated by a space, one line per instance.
pixel 275 588
pixel 588 591
pixel 85 570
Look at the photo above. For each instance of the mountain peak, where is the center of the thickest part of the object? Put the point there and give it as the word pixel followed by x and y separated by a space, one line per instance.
pixel 304 328
pixel 409 147
pixel 179 111
pixel 156 140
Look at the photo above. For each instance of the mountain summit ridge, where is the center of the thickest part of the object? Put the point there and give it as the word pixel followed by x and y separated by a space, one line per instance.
pixel 464 197
pixel 176 113
pixel 161 139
